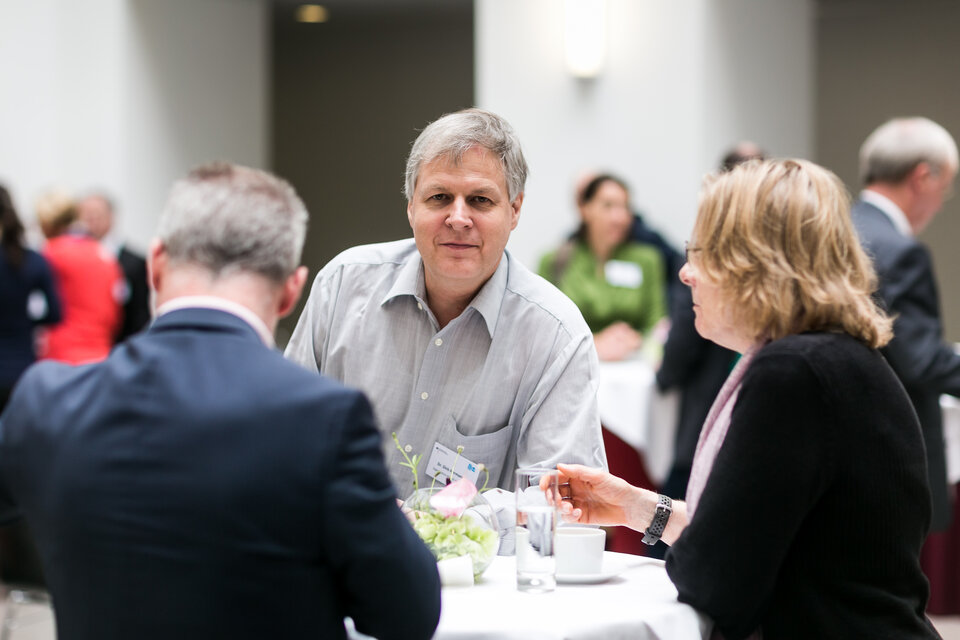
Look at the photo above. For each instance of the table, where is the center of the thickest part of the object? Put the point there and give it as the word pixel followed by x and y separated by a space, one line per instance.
pixel 941 552
pixel 633 409
pixel 950 407
pixel 639 603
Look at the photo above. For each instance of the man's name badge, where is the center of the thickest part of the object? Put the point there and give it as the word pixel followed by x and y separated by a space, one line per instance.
pixel 621 273
pixel 441 465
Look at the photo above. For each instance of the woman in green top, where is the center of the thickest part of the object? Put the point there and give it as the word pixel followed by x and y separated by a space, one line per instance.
pixel 616 283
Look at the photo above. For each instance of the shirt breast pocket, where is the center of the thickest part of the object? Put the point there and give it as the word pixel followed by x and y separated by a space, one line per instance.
pixel 491 448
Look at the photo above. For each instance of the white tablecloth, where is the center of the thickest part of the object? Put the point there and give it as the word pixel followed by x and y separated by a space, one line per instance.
pixel 951 435
pixel 639 603
pixel 633 409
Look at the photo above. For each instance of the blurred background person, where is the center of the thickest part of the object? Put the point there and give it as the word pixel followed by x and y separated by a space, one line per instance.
pixel 88 280
pixel 908 167
pixel 27 298
pixel 812 440
pixel 97 214
pixel 643 233
pixel 617 283
pixel 693 365
pixel 739 154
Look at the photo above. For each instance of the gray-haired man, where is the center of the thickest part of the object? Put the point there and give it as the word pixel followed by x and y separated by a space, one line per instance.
pixel 457 343
pixel 195 484
pixel 907 166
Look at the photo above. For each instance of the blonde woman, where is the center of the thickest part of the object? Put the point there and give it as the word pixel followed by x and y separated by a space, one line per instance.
pixel 808 499
pixel 88 280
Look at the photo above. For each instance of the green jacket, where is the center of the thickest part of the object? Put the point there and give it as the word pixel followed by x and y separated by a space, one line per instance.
pixel 628 287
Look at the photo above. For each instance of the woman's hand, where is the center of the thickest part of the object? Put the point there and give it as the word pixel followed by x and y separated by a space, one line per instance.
pixel 593 496
pixel 617 342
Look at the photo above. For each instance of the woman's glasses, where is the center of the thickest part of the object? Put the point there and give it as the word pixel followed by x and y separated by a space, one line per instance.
pixel 687 250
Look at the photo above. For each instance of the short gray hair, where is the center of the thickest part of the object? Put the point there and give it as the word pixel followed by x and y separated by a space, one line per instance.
pixel 227 218
pixel 896 147
pixel 456 133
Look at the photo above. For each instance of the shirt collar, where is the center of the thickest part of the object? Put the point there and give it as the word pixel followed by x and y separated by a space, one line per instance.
pixel 220 304
pixel 890 209
pixel 410 282
pixel 488 300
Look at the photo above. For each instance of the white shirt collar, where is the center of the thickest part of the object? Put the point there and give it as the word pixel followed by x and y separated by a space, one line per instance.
pixel 220 304
pixel 890 209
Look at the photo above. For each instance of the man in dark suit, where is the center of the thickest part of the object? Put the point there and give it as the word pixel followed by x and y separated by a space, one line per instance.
pixel 96 213
pixel 907 166
pixel 197 485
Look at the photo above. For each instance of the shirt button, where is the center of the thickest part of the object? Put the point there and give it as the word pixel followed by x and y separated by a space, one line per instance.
pixel 420 306
pixel 438 342
pixel 424 395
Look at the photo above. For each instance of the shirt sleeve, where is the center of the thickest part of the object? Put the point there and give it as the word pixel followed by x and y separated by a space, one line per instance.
pixel 389 580
pixel 307 345
pixel 773 466
pixel 562 420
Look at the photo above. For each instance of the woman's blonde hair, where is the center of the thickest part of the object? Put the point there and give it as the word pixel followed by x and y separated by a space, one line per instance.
pixel 777 238
pixel 56 211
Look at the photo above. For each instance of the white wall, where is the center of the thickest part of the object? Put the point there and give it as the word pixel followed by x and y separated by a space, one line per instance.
pixel 683 81
pixel 127 95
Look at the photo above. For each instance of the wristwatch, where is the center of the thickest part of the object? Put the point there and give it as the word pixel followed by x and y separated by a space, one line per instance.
pixel 659 523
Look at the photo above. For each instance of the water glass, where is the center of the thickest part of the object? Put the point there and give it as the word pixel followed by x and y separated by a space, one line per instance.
pixel 538 497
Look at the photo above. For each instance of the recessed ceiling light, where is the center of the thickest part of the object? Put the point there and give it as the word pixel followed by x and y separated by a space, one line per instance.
pixel 312 13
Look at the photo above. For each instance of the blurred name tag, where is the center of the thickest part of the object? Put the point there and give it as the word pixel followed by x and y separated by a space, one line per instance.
pixel 441 465
pixel 37 305
pixel 623 274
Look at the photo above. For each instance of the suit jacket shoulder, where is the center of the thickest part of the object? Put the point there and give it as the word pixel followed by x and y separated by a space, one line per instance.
pixel 879 237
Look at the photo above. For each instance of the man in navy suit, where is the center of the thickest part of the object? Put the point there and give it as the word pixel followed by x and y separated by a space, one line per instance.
pixel 196 484
pixel 908 166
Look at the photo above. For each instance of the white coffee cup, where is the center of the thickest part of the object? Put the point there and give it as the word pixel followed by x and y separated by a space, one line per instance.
pixel 579 550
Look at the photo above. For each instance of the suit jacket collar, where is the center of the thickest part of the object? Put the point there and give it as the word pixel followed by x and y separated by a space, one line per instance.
pixel 220 304
pixel 888 208
pixel 205 319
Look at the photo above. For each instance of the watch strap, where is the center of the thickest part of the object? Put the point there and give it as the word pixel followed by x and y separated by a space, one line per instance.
pixel 664 508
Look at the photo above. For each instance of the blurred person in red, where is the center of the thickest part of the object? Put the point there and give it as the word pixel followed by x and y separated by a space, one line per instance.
pixel 88 280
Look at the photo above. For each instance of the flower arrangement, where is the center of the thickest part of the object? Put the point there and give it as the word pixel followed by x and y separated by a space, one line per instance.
pixel 454 520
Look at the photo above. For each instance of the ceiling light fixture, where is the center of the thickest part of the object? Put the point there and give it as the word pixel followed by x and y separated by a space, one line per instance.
pixel 313 13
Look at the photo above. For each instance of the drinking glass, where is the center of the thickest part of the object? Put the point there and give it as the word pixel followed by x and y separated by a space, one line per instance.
pixel 538 496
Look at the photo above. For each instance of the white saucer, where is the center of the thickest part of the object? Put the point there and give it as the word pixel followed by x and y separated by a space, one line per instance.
pixel 613 566
pixel 586 578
